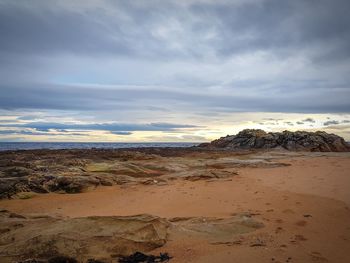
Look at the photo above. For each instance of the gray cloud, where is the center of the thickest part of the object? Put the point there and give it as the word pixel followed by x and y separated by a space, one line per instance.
pixel 17 132
pixel 272 119
pixel 39 133
pixel 27 117
pixel 270 123
pixel 116 128
pixel 309 120
pixel 281 25
pixel 327 123
pixel 143 34
pixel 121 133
pixel 118 26
pixel 44 27
pixel 66 97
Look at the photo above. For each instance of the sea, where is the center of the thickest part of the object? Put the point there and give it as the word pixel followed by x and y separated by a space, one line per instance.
pixel 8 146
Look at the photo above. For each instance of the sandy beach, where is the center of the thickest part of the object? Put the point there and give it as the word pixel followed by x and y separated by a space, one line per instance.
pixel 304 207
pixel 177 131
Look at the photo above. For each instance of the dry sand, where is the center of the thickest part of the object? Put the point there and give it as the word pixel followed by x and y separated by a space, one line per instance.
pixel 304 207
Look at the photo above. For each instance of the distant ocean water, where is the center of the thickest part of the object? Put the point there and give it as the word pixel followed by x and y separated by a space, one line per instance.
pixel 5 146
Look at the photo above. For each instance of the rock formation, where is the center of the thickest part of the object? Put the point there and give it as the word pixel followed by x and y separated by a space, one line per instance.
pixel 24 173
pixel 99 239
pixel 293 141
pixel 43 237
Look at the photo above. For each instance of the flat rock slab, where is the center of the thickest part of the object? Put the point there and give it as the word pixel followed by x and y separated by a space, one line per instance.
pixel 80 238
pixel 107 237
pixel 215 229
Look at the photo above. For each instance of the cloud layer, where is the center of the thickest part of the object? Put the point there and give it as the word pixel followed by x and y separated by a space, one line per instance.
pixel 113 127
pixel 138 62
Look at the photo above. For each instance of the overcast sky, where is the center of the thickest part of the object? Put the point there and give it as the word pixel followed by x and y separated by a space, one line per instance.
pixel 181 70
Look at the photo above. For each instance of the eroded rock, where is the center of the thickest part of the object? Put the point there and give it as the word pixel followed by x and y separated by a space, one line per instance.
pixel 95 239
pixel 75 171
pixel 80 238
pixel 72 184
pixel 16 171
pixel 294 141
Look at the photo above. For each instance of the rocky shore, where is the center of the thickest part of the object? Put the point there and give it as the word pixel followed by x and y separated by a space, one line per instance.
pixel 319 141
pixel 75 171
pixel 197 205
pixel 132 205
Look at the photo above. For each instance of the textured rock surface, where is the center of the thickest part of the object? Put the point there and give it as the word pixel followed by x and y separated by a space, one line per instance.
pixel 34 239
pixel 81 238
pixel 294 141
pixel 75 171
pixel 215 229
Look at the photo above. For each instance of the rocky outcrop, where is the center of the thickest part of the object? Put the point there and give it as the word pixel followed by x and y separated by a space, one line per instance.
pixel 293 141
pixel 104 237
pixel 25 173
pixel 98 239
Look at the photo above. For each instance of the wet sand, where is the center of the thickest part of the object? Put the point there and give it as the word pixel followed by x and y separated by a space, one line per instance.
pixel 304 207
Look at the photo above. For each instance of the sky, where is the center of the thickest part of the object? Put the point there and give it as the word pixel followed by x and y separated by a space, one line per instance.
pixel 172 70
